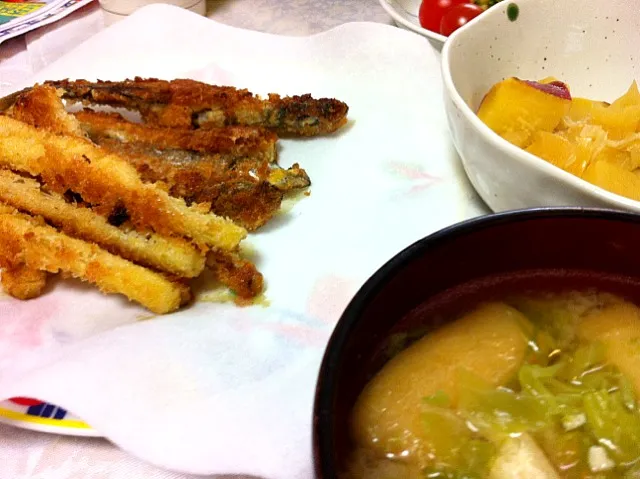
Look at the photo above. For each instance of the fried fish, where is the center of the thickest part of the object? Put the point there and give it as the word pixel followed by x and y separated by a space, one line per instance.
pixel 139 209
pixel 109 183
pixel 191 104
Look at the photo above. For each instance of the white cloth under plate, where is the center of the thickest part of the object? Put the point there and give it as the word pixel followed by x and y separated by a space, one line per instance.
pixel 227 390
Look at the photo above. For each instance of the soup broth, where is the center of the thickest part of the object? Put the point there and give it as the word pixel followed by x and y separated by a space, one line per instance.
pixel 530 386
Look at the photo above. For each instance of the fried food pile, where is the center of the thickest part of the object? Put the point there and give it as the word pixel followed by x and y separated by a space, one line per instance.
pixel 141 209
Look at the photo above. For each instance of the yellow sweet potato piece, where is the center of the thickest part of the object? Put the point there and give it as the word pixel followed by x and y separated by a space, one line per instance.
pixel 634 154
pixel 618 122
pixel 613 178
pixel 619 119
pixel 618 328
pixel 556 150
pixel 588 141
pixel 388 416
pixel 515 110
pixel 630 98
pixel 582 109
pixel 622 158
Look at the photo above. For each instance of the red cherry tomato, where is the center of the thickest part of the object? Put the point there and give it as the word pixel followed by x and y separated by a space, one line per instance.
pixel 457 16
pixel 431 12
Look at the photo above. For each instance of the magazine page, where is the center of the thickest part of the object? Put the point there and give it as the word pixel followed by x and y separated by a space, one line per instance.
pixel 12 11
pixel 21 16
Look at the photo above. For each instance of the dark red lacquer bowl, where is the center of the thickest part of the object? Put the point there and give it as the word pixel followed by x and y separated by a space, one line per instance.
pixel 488 257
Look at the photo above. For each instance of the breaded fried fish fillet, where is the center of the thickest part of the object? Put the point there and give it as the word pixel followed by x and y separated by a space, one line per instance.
pixel 232 168
pixel 249 201
pixel 240 275
pixel 229 152
pixel 230 141
pixel 192 104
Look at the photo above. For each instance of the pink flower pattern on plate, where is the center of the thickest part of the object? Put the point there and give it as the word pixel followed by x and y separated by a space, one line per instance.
pixel 420 179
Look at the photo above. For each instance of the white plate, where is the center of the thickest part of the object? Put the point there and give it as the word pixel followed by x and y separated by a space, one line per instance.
pixel 405 14
pixel 207 388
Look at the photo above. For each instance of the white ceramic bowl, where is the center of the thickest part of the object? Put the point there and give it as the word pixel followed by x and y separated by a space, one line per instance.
pixel 405 15
pixel 591 45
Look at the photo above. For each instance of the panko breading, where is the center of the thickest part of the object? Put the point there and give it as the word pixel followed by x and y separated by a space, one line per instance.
pixel 20 281
pixel 192 104
pixel 109 183
pixel 173 255
pixel 78 221
pixel 139 209
pixel 39 246
pixel 223 153
pixel 42 107
pixel 204 178
pixel 240 275
pixel 201 166
pixel 294 178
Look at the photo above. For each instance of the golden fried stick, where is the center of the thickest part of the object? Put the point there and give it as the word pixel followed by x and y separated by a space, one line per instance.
pixel 109 183
pixel 42 107
pixel 173 255
pixel 169 254
pixel 22 282
pixel 39 246
pixel 193 104
pixel 231 142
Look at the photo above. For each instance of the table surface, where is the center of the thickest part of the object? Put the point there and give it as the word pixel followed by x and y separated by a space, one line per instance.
pixel 27 454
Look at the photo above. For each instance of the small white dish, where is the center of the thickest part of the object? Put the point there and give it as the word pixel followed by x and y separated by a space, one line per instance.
pixel 405 15
pixel 592 46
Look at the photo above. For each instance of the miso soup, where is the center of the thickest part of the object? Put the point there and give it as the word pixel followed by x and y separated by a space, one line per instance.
pixel 537 386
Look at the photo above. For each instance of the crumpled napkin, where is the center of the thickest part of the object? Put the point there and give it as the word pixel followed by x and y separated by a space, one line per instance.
pixel 215 388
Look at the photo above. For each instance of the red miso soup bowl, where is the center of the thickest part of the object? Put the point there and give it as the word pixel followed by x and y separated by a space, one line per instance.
pixel 549 249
